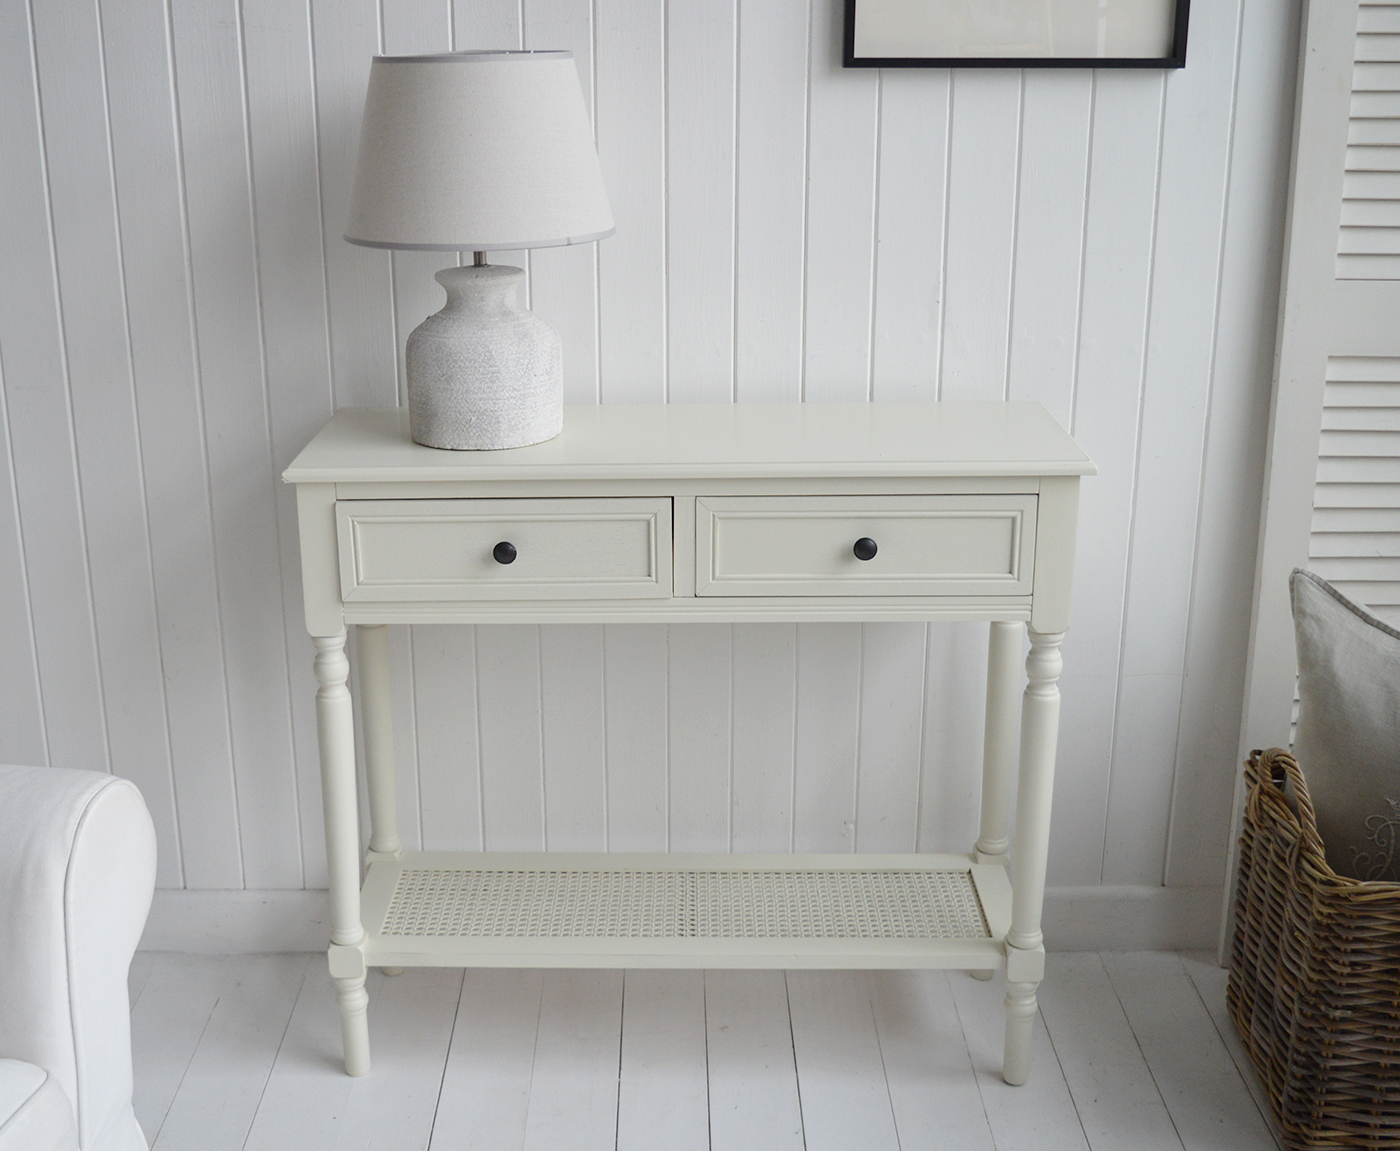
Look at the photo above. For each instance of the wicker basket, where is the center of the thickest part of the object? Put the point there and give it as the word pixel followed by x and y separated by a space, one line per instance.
pixel 1314 974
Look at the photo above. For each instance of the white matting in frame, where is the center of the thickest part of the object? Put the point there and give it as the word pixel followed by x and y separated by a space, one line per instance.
pixel 1056 33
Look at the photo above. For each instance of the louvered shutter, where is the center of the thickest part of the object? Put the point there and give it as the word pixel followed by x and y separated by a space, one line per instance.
pixel 1332 483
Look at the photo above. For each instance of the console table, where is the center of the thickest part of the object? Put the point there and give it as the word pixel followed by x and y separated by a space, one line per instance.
pixel 669 513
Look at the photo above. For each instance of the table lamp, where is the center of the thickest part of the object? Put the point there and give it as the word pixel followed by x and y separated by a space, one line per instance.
pixel 479 152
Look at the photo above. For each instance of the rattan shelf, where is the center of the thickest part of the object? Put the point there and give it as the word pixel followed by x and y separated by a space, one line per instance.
pixel 641 910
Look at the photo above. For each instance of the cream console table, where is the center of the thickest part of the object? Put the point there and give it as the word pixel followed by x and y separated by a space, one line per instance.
pixel 934 511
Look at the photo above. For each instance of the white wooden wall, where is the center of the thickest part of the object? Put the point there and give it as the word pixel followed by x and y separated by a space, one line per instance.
pixel 178 314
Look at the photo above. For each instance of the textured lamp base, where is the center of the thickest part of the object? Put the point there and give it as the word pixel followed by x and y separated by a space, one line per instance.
pixel 484 372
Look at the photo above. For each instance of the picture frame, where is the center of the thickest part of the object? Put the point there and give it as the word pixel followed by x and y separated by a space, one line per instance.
pixel 1015 34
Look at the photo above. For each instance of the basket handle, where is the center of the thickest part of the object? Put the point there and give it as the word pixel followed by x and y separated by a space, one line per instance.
pixel 1277 766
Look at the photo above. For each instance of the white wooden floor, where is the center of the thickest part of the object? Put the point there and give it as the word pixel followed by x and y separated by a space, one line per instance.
pixel 1133 1051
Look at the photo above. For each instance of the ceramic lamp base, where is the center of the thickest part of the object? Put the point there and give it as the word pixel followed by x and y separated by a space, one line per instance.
pixel 484 372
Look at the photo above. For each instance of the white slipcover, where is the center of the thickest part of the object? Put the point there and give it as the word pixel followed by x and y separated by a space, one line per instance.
pixel 77 870
pixel 35 1114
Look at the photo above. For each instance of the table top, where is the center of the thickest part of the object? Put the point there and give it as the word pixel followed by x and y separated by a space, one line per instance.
pixel 706 441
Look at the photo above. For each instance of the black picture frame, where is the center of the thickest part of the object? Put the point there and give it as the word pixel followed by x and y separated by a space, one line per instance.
pixel 1177 59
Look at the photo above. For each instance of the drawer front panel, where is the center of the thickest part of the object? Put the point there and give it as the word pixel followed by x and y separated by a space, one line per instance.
pixel 804 545
pixel 442 550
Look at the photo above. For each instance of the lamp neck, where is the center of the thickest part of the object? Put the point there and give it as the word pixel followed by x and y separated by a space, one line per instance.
pixel 478 259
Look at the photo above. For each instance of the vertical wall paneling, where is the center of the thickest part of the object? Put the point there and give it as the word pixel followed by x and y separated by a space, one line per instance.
pixel 1113 316
pixel 912 181
pixel 698 754
pixel 630 83
pixel 571 702
pixel 770 199
pixel 292 292
pixel 40 426
pixel 449 779
pixel 179 313
pixel 403 687
pixel 22 738
pixel 983 158
pixel 635 713
pixel 950 769
pixel 564 281
pixel 701 45
pixel 1050 207
pixel 891 723
pixel 345 34
pixel 217 165
pixel 764 722
pixel 147 164
pixel 485 24
pixel 87 249
pixel 841 171
pixel 1177 384
pixel 21 710
pixel 512 771
pixel 827 734
pixel 1233 476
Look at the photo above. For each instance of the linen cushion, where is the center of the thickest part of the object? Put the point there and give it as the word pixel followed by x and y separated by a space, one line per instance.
pixel 1348 737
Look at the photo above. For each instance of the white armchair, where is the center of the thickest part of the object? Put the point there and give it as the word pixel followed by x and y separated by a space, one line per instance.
pixel 77 869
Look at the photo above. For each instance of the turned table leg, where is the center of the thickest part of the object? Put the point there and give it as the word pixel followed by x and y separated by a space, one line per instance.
pixel 376 714
pixel 1025 948
pixel 999 745
pixel 336 729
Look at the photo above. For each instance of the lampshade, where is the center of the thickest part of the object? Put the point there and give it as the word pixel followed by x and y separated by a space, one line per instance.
pixel 477 151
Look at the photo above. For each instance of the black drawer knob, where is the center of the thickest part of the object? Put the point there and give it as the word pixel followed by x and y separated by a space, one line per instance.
pixel 865 549
pixel 505 552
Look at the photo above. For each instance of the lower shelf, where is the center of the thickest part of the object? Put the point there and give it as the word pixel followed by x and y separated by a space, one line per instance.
pixel 469 909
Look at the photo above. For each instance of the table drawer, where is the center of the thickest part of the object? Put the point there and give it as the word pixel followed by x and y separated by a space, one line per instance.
pixel 804 545
pixel 442 550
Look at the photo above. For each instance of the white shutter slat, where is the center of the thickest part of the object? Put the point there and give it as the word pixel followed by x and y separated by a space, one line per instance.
pixel 1378 46
pixel 1355 541
pixel 1376 76
pixel 1373 157
pixel 1354 519
pixel 1374 18
pixel 1369 545
pixel 1357 470
pixel 1378 418
pixel 1359 495
pixel 1384 131
pixel 1360 445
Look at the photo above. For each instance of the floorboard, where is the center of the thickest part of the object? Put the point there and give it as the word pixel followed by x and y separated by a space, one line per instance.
pixel 578 1049
pixel 486 1082
pixel 223 1084
pixel 840 1074
pixel 142 963
pixel 166 1027
pixel 663 1096
pixel 311 1103
pixel 1132 1051
pixel 753 1078
pixel 1199 1082
pixel 1209 979
pixel 1117 1101
pixel 1040 1114
pixel 932 1084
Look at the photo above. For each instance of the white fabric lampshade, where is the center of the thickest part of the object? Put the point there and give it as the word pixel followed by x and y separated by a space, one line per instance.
pixel 477 151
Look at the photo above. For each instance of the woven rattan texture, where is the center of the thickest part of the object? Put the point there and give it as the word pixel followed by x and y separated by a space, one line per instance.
pixel 625 904
pixel 1314 984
